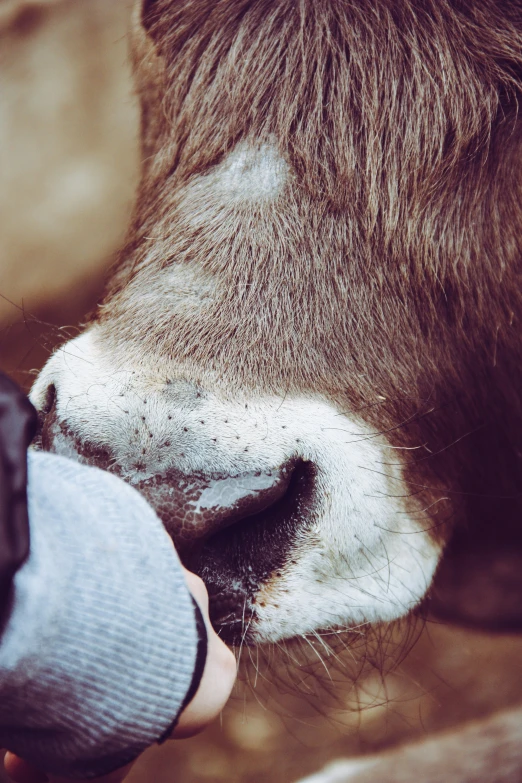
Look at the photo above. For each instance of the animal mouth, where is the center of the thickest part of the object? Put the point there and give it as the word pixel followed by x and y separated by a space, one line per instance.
pixel 236 532
pixel 240 559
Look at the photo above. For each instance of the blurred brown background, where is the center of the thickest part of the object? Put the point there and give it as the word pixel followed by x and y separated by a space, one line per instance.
pixel 68 169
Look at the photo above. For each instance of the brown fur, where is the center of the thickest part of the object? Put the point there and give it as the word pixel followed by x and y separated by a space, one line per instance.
pixel 387 276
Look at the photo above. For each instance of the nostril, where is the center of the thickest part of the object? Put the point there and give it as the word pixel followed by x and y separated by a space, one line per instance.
pixel 46 411
pixel 49 400
pixel 54 435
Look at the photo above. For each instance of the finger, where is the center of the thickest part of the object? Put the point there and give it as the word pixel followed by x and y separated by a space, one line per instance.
pixel 22 772
pixel 198 590
pixel 214 689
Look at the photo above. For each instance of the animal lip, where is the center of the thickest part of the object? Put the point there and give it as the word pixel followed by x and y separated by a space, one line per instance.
pixel 192 508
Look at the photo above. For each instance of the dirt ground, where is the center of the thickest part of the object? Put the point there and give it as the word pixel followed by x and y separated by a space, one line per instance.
pixel 283 733
pixel 68 166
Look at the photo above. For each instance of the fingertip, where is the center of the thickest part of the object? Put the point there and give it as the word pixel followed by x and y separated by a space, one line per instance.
pixel 22 772
pixel 198 589
pixel 229 662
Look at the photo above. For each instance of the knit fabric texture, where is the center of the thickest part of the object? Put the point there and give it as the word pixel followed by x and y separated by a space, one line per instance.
pixel 100 644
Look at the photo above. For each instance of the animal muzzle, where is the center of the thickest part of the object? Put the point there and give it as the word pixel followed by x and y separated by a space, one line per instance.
pixel 279 502
pixel 233 530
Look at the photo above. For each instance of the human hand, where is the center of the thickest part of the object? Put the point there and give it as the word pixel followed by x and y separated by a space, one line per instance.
pixel 218 676
pixel 210 698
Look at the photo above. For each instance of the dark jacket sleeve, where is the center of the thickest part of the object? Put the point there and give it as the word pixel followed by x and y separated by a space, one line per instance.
pixel 17 427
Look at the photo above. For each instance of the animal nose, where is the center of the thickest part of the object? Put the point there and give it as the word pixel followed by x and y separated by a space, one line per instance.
pixel 193 508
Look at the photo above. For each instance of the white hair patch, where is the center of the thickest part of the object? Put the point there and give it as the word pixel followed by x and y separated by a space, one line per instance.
pixel 248 174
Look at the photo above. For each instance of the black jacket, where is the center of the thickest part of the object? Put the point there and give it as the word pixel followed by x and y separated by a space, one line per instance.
pixel 18 422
